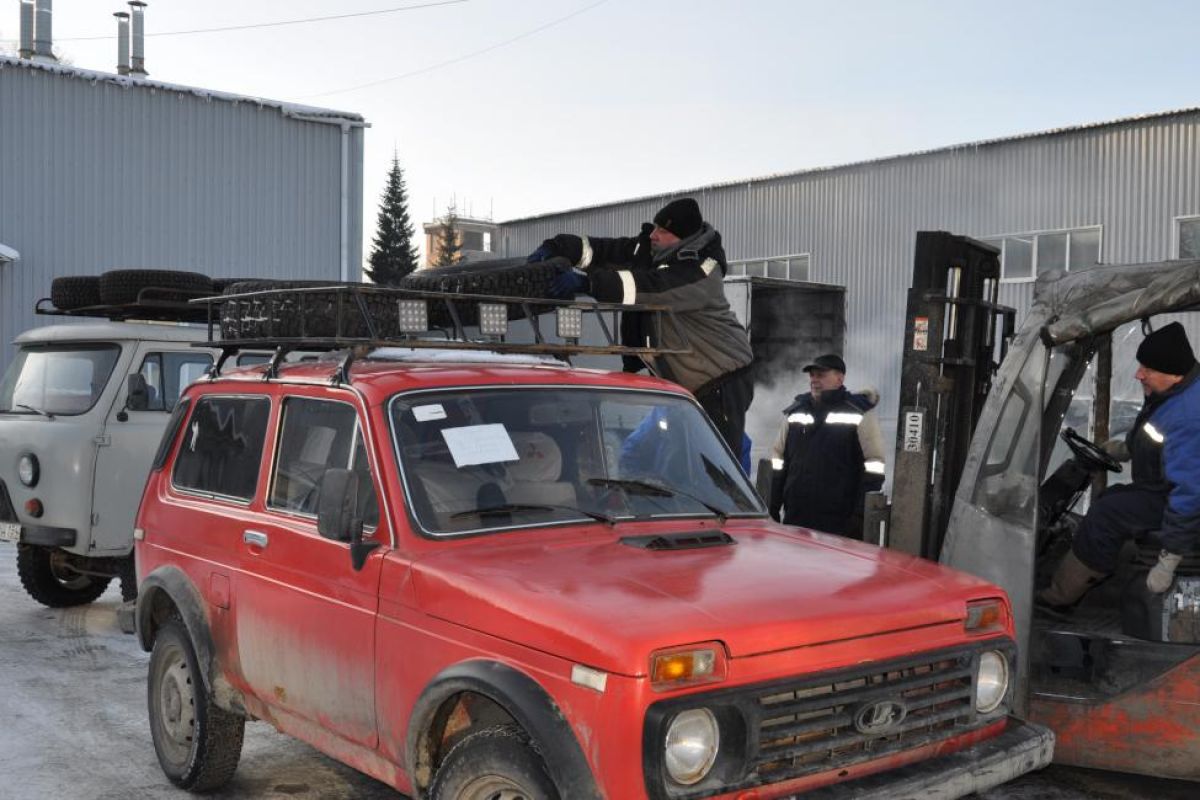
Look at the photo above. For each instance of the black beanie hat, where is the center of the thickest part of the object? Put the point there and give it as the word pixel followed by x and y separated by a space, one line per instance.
pixel 1167 350
pixel 681 217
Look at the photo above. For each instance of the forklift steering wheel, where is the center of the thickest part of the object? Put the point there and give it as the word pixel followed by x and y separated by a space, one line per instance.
pixel 1091 454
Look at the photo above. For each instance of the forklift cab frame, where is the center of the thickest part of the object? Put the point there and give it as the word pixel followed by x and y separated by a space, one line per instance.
pixel 1115 701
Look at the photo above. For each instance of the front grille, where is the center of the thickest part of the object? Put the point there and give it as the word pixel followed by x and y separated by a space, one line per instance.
pixel 7 512
pixel 810 729
pixel 792 729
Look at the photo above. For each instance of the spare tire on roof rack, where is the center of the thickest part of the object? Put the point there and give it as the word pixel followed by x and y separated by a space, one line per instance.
pixel 303 314
pixel 507 277
pixel 120 287
pixel 75 291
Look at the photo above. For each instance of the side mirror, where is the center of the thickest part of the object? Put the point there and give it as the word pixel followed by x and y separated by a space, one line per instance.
pixel 137 398
pixel 337 509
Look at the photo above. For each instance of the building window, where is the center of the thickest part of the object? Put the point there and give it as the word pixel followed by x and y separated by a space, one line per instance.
pixel 788 268
pixel 1024 256
pixel 1188 240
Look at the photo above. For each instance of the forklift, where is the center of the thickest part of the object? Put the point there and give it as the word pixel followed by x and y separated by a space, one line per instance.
pixel 998 454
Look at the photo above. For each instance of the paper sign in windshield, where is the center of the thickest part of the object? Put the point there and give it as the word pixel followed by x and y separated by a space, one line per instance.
pixel 479 444
pixel 430 412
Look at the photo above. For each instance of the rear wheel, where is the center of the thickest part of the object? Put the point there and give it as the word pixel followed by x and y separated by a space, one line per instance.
pixel 497 763
pixel 198 744
pixel 47 576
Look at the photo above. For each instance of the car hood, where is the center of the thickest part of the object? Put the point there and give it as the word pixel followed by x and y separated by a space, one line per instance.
pixel 598 601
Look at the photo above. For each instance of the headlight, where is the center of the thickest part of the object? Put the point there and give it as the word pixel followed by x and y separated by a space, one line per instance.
pixel 28 469
pixel 991 684
pixel 691 746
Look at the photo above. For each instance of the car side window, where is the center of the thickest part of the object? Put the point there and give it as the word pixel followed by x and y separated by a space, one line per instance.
pixel 222 446
pixel 315 436
pixel 167 374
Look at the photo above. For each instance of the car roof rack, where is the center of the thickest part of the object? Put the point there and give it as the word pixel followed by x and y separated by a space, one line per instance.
pixel 152 305
pixel 355 317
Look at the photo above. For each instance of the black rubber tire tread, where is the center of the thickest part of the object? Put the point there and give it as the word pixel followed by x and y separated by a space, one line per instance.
pixel 504 751
pixel 219 285
pixel 218 734
pixel 75 291
pixel 39 580
pixel 121 286
pixel 507 277
pixel 255 318
pixel 127 574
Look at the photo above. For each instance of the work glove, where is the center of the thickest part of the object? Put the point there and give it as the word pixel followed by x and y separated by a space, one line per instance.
pixel 1163 573
pixel 1117 449
pixel 567 284
pixel 541 254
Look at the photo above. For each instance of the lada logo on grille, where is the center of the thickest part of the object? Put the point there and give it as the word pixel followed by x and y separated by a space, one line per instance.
pixel 877 719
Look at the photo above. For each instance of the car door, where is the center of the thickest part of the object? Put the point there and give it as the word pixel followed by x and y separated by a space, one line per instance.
pixel 305 616
pixel 127 444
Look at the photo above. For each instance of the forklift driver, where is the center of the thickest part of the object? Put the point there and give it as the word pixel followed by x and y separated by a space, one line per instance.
pixel 1164 446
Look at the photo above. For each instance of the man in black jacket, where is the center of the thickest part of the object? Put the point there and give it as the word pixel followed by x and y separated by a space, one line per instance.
pixel 828 455
pixel 678 262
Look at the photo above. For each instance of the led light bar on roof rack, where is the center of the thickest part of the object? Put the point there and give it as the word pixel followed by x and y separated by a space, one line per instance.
pixel 351 316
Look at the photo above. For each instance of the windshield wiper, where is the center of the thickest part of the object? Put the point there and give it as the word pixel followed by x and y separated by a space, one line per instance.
pixel 651 489
pixel 37 411
pixel 512 508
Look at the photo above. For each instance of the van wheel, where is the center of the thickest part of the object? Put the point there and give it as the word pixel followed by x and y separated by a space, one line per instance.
pixel 198 744
pixel 47 578
pixel 127 574
pixel 494 764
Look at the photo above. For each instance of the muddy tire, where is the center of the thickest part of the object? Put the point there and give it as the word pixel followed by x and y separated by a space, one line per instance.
pixel 197 743
pixel 509 277
pixel 309 314
pixel 121 286
pixel 48 580
pixel 75 291
pixel 497 762
pixel 127 574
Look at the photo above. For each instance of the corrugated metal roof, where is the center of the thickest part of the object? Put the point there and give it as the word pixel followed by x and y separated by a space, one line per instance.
pixel 867 162
pixel 287 109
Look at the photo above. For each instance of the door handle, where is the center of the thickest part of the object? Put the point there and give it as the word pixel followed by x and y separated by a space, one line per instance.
pixel 255 538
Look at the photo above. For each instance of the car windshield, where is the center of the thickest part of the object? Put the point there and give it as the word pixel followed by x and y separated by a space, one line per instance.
pixel 487 459
pixel 57 379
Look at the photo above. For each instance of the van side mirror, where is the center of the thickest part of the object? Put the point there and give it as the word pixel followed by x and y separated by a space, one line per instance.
pixel 337 514
pixel 137 397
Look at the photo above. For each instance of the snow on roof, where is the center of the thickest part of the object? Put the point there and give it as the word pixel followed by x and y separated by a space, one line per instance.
pixel 115 331
pixel 296 110
pixel 426 354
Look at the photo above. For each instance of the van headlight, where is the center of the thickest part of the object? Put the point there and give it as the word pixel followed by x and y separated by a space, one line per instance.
pixel 28 469
pixel 691 746
pixel 991 684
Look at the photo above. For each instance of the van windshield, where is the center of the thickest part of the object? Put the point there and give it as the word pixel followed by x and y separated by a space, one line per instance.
pixel 490 459
pixel 57 379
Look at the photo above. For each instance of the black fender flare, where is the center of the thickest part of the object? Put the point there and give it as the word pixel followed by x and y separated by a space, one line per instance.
pixel 528 703
pixel 178 588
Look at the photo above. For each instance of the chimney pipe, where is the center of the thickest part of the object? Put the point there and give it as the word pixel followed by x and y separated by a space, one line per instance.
pixel 122 42
pixel 26 46
pixel 138 67
pixel 43 32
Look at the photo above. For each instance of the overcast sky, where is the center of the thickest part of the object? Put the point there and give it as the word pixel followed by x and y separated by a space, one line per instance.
pixel 519 107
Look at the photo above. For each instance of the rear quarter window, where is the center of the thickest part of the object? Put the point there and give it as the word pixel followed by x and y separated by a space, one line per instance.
pixel 221 451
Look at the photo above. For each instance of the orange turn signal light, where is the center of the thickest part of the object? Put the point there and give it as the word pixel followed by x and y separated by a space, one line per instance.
pixel 687 666
pixel 985 615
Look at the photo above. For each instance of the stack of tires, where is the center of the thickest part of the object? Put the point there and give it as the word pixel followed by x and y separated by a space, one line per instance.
pixel 306 314
pixel 507 277
pixel 120 287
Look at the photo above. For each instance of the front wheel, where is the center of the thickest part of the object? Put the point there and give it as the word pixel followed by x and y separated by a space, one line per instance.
pixel 493 764
pixel 48 578
pixel 198 743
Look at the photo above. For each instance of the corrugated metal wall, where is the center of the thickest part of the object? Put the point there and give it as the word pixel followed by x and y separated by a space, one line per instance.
pixel 859 222
pixel 96 175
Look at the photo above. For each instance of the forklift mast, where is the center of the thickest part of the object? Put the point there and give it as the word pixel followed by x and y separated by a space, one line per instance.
pixel 955 336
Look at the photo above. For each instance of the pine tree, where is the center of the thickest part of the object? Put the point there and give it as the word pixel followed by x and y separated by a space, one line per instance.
pixel 449 249
pixel 393 254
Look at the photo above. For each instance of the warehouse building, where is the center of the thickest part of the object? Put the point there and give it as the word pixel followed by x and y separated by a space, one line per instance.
pixel 112 170
pixel 1118 192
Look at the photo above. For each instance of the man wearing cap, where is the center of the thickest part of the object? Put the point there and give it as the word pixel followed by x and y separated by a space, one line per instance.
pixel 679 262
pixel 1164 447
pixel 828 455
